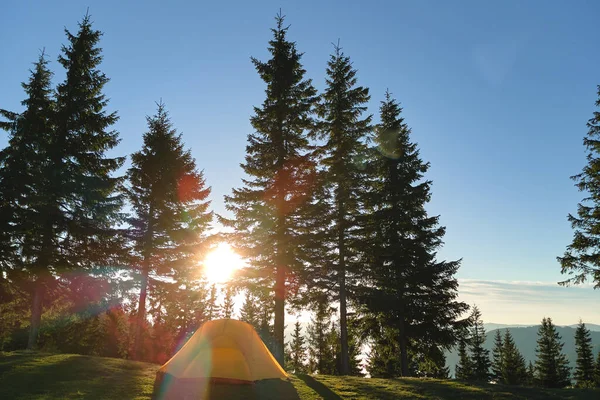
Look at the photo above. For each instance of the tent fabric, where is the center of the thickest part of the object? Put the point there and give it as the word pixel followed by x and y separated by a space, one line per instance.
pixel 223 350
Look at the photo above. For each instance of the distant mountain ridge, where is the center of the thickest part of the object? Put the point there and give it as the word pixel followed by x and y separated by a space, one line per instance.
pixel 526 340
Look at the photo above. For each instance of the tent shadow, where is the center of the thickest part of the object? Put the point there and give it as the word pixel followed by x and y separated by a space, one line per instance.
pixel 267 389
pixel 318 387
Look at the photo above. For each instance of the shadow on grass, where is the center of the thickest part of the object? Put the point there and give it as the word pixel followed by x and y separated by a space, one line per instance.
pixel 318 387
pixel 269 389
pixel 73 376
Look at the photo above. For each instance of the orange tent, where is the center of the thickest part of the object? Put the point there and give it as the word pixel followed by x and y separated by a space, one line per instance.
pixel 223 350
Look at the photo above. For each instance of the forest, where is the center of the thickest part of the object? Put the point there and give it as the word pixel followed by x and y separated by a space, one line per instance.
pixel 330 218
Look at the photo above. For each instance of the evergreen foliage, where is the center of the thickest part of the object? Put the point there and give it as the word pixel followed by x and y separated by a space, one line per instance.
pixel 344 130
pixel 552 367
pixel 584 370
pixel 228 302
pixel 464 367
pixel 297 350
pixel 170 215
pixel 514 369
pixel 480 356
pixel 581 259
pixel 497 357
pixel 413 292
pixel 279 176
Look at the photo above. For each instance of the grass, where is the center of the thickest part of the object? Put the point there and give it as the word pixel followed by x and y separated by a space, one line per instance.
pixel 26 375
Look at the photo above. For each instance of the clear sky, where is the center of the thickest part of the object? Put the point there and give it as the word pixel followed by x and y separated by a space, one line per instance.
pixel 497 95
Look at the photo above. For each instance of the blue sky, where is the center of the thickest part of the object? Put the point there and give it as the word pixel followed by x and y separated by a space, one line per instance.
pixel 497 95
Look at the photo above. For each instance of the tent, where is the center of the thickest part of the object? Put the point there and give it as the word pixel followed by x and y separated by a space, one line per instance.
pixel 224 350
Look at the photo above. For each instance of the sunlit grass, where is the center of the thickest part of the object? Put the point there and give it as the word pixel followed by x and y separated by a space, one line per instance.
pixel 25 375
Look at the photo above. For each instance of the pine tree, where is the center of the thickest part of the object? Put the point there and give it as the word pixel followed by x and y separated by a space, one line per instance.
pixel 170 216
pixel 552 366
pixel 597 371
pixel 530 374
pixel 406 284
pixel 344 131
pixel 580 259
pixel 480 356
pixel 228 302
pixel 28 220
pixel 383 360
pixel 584 370
pixel 213 310
pixel 249 311
pixel 279 175
pixel 497 359
pixel 297 350
pixel 319 335
pixel 85 183
pixel 464 367
pixel 514 369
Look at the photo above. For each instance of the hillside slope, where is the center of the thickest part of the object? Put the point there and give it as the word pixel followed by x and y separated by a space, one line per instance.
pixel 526 340
pixel 25 375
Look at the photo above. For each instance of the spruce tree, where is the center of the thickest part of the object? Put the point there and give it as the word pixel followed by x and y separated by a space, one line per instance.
pixel 249 311
pixel 170 217
pixel 480 356
pixel 584 370
pixel 228 302
pixel 344 130
pixel 581 259
pixel 464 368
pixel 531 379
pixel 597 371
pixel 552 367
pixel 405 284
pixel 514 369
pixel 497 359
pixel 213 310
pixel 266 208
pixel 319 335
pixel 29 221
pixel 84 180
pixel 297 350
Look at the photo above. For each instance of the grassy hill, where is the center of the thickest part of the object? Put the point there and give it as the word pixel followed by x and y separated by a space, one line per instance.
pixel 526 340
pixel 25 375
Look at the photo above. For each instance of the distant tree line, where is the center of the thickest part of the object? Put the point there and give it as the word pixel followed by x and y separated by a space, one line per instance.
pixel 507 365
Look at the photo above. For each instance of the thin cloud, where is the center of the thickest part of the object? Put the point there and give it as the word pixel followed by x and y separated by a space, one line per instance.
pixel 522 302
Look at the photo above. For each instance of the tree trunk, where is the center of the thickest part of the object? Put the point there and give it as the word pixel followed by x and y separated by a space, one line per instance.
pixel 344 357
pixel 141 314
pixel 36 314
pixel 279 315
pixel 403 349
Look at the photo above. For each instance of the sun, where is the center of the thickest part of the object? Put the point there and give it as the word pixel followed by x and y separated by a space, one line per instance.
pixel 221 263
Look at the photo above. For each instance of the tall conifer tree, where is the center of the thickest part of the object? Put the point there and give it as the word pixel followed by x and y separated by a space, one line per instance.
pixel 584 369
pixel 278 176
pixel 480 356
pixel 514 369
pixel 170 215
pixel 416 294
pixel 581 259
pixel 27 219
pixel 228 302
pixel 464 368
pixel 298 350
pixel 344 130
pixel 497 359
pixel 597 371
pixel 552 367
